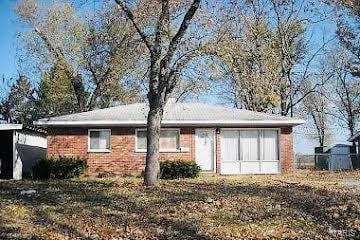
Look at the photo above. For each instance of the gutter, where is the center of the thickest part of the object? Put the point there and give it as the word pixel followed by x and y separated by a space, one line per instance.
pixel 10 126
pixel 198 123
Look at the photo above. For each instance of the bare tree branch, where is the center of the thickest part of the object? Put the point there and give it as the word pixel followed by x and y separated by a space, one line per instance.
pixel 183 27
pixel 130 15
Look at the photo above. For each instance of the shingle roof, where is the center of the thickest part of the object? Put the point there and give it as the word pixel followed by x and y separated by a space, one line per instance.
pixel 174 114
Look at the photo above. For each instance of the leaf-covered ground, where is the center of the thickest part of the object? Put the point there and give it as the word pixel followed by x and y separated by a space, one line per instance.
pixel 305 205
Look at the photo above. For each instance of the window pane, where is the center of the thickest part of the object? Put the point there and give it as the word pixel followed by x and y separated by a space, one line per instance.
pixel 94 140
pixel 104 140
pixel 269 145
pixel 249 145
pixel 99 140
pixel 141 140
pixel 169 139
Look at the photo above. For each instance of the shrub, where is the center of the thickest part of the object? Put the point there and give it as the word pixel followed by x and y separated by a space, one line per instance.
pixel 59 168
pixel 42 169
pixel 106 174
pixel 179 169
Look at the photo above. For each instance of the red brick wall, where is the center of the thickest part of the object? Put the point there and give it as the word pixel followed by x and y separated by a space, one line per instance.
pixel 123 160
pixel 286 150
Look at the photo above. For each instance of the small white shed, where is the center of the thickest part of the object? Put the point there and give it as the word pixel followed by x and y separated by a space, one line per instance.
pixel 339 157
pixel 20 148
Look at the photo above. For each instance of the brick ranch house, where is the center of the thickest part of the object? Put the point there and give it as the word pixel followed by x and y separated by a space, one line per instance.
pixel 219 139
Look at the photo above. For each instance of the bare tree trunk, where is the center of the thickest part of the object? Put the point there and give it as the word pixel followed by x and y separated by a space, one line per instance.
pixel 80 92
pixel 152 168
pixel 283 105
pixel 162 77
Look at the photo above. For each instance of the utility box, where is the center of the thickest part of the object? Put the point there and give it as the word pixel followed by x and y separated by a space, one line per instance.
pixel 321 159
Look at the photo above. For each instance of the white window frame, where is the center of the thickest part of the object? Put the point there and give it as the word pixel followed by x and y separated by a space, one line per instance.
pixel 160 150
pixel 99 150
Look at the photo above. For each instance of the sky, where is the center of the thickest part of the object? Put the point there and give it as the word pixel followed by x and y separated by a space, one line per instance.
pixel 9 29
pixel 9 68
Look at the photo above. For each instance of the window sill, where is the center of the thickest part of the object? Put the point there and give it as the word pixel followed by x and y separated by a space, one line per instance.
pixel 163 151
pixel 248 161
pixel 99 151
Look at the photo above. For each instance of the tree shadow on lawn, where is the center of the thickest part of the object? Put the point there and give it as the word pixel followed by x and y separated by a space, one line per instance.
pixel 133 211
pixel 117 211
pixel 315 202
pixel 49 194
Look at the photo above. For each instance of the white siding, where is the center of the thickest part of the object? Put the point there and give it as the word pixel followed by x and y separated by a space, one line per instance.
pixel 29 147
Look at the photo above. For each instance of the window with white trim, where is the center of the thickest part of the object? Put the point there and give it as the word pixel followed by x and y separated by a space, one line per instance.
pixel 99 140
pixel 169 140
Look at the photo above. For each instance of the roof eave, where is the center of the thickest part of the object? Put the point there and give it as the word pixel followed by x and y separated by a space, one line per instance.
pixel 199 123
pixel 11 126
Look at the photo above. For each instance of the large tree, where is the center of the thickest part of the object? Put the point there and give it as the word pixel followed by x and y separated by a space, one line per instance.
pixel 19 105
pixel 346 92
pixel 348 32
pixel 247 48
pixel 317 106
pixel 95 52
pixel 268 53
pixel 55 93
pixel 164 46
pixel 345 63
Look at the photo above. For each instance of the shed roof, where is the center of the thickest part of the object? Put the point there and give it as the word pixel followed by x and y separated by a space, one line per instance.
pixel 175 114
pixel 10 126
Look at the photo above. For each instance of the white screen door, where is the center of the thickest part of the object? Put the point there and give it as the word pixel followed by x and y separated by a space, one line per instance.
pixel 204 148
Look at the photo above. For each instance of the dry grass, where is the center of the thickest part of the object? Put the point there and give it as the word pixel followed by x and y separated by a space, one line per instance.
pixel 305 205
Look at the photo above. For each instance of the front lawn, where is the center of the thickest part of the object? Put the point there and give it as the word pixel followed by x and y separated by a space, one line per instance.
pixel 303 205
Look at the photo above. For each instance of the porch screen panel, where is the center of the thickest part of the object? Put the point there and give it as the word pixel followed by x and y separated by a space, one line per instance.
pixel 269 145
pixel 230 145
pixel 249 145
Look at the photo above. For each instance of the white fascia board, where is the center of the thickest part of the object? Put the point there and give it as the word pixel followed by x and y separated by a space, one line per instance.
pixel 10 126
pixel 200 123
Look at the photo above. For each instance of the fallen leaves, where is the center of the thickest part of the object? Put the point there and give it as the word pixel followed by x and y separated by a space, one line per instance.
pixel 302 205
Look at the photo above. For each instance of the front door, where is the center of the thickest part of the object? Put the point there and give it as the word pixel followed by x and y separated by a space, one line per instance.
pixel 205 148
